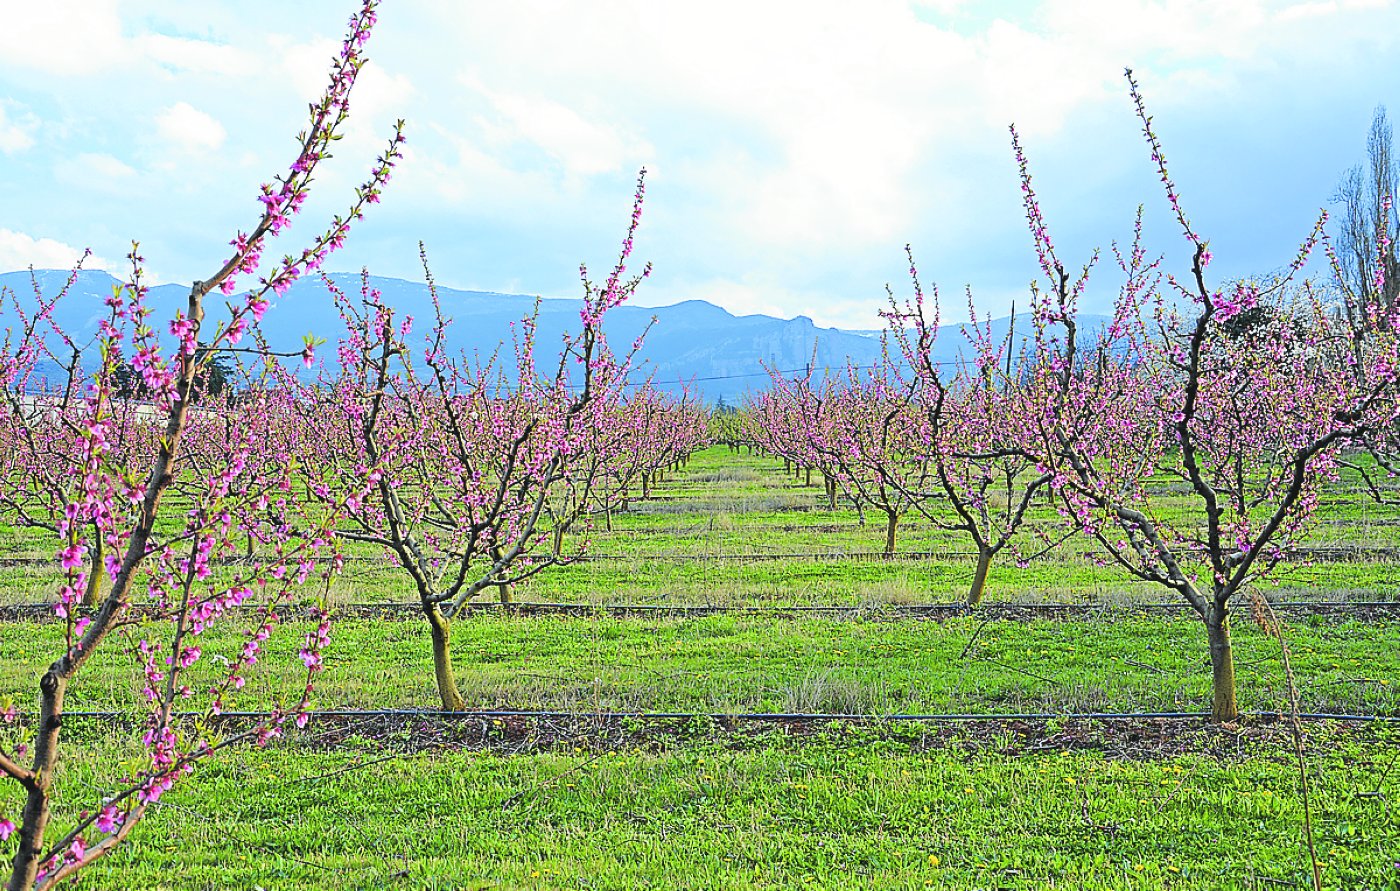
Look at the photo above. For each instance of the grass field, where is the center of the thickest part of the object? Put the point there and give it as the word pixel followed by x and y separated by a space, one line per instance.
pixel 721 802
pixel 843 808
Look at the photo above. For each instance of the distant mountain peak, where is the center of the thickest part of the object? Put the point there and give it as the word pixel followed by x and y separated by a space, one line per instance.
pixel 723 354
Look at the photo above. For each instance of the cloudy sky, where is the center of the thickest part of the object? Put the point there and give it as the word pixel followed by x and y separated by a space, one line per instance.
pixel 793 147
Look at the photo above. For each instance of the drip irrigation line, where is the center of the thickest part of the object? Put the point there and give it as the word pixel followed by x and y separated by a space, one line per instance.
pixel 1329 553
pixel 43 611
pixel 733 717
pixel 1335 552
pixel 914 610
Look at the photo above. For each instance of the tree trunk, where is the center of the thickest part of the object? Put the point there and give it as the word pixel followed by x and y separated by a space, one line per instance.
pixel 890 526
pixel 831 493
pixel 442 660
pixel 1222 666
pixel 505 590
pixel 34 820
pixel 646 487
pixel 979 578
pixel 809 476
pixel 97 576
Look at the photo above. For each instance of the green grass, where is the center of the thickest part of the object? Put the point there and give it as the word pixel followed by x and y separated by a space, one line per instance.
pixel 736 530
pixel 849 808
pixel 1029 805
pixel 756 663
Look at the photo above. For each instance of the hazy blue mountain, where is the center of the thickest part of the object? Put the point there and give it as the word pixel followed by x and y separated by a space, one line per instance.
pixel 694 344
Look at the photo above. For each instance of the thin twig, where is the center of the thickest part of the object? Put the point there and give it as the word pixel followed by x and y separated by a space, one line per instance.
pixel 549 782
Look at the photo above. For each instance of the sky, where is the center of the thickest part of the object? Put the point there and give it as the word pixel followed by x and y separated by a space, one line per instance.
pixel 793 148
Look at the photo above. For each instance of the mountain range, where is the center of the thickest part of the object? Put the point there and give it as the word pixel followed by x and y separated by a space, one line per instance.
pixel 693 346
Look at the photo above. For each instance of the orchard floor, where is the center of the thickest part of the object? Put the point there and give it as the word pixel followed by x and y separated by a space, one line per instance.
pixel 718 801
pixel 846 806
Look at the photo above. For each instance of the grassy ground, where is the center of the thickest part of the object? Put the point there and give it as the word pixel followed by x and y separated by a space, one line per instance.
pixel 845 808
pixel 992 805
pixel 736 530
pixel 746 663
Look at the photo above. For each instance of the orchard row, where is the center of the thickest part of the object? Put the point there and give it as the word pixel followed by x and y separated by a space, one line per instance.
pixel 1247 395
pixel 471 473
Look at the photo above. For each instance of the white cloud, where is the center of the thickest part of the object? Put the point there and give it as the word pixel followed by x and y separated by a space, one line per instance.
pixel 803 142
pixel 759 294
pixel 189 129
pixel 460 173
pixel 827 106
pixel 1322 8
pixel 69 37
pixel 198 56
pixel 308 64
pixel 942 7
pixel 105 166
pixel 1306 11
pixel 583 145
pixel 20 251
pixel 378 99
pixel 1037 80
pixel 16 135
pixel 97 171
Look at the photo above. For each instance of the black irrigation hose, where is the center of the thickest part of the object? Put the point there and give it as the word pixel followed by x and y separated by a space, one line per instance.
pixel 43 611
pixel 926 610
pixel 1323 553
pixel 748 717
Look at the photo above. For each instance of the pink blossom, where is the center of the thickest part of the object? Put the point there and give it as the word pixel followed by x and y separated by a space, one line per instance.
pixel 109 819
